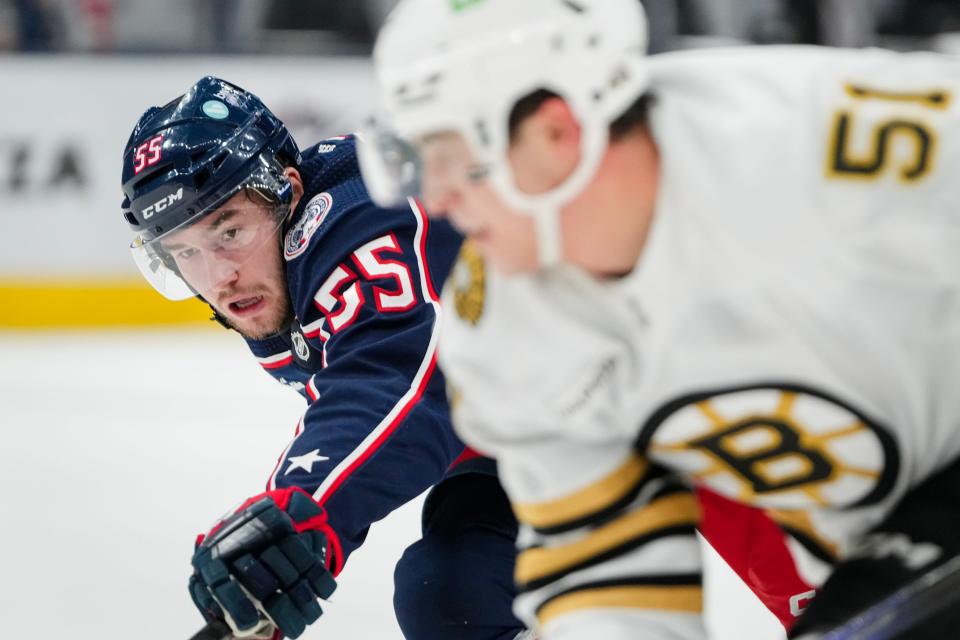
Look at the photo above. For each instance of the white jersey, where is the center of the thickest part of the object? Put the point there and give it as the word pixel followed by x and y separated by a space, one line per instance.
pixel 791 334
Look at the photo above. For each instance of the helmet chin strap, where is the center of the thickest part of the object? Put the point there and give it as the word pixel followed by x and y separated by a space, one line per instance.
pixel 545 208
pixel 549 236
pixel 217 317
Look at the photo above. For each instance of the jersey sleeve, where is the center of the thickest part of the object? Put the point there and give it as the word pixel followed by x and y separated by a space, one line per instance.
pixel 376 432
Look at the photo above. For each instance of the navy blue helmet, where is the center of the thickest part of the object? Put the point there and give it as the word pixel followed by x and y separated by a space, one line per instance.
pixel 186 158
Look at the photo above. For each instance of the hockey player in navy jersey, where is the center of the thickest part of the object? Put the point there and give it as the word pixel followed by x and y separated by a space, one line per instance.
pixel 337 299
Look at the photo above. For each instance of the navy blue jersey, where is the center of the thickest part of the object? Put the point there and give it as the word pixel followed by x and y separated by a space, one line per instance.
pixel 363 283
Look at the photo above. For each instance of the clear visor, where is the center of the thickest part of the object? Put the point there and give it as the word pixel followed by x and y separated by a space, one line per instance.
pixel 204 256
pixel 392 168
pixel 395 168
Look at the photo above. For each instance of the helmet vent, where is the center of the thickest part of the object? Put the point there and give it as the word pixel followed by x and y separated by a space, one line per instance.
pixel 201 150
pixel 217 161
pixel 573 6
pixel 266 126
pixel 201 178
pixel 197 156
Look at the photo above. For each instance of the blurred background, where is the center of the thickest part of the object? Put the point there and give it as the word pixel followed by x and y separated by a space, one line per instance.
pixel 131 423
pixel 186 26
pixel 76 74
pixel 337 27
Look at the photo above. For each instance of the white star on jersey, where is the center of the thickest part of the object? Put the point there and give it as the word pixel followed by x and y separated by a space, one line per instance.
pixel 305 461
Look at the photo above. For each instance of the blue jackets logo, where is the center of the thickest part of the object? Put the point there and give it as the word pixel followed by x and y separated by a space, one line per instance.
pixel 313 216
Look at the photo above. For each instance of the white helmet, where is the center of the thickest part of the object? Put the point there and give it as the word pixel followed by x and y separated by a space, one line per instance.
pixel 462 65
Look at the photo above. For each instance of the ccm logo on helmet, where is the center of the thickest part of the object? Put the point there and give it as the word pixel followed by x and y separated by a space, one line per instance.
pixel 162 204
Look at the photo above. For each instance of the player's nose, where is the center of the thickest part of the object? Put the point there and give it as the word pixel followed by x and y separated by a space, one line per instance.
pixel 222 272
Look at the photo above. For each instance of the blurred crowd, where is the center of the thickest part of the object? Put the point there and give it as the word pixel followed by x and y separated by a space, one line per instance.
pixel 191 26
pixel 348 26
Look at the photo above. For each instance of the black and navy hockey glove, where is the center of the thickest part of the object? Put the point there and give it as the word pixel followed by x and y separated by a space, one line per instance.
pixel 263 568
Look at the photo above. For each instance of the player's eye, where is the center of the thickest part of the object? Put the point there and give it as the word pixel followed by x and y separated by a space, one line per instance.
pixel 230 236
pixel 186 254
pixel 478 172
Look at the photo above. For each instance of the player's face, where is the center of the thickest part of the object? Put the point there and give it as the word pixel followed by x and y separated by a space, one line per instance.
pixel 602 226
pixel 231 257
pixel 455 186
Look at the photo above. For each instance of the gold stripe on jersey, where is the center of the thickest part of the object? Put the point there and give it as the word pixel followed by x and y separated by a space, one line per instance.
pixel 676 598
pixel 589 500
pixel 935 99
pixel 673 510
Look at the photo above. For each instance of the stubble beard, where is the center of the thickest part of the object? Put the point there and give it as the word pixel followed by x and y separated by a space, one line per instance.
pixel 276 322
pixel 269 327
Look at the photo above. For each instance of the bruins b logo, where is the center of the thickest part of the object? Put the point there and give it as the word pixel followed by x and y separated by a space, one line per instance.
pixel 468 284
pixel 776 446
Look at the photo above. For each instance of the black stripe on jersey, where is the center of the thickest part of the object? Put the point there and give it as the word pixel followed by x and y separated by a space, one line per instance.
pixel 668 516
pixel 668 592
pixel 599 517
pixel 600 500
pixel 646 579
pixel 613 552
pixel 669 488
pixel 641 522
pixel 611 512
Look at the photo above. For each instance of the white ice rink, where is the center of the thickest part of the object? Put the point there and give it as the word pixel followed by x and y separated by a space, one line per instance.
pixel 118 448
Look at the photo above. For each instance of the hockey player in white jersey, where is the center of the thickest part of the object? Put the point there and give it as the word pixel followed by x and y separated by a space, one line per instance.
pixel 737 268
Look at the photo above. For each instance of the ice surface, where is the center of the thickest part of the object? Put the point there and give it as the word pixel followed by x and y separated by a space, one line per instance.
pixel 119 447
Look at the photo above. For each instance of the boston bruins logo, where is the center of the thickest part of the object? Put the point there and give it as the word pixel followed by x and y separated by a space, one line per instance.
pixel 468 282
pixel 777 446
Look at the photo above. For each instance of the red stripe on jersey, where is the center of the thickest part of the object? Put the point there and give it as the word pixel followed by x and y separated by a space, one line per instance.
pixel 272 480
pixel 279 363
pixel 386 431
pixel 312 388
pixel 382 432
pixel 384 435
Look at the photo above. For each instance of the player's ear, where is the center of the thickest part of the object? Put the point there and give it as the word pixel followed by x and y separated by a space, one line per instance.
pixel 559 123
pixel 296 183
pixel 546 147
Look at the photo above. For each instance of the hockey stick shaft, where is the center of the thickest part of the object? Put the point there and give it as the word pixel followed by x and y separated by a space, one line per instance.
pixel 918 601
